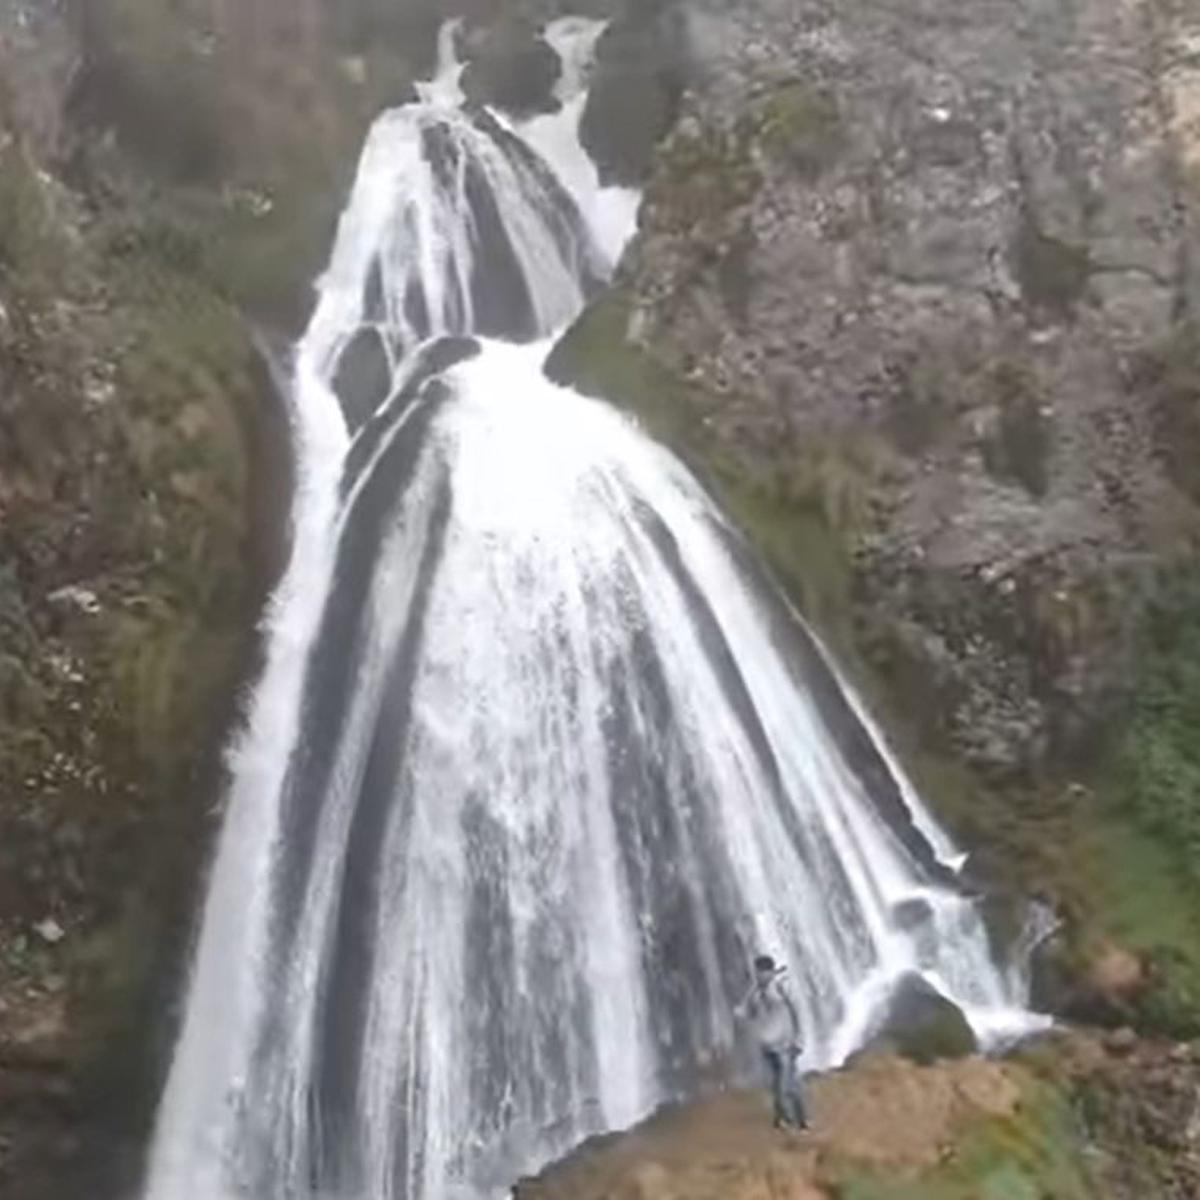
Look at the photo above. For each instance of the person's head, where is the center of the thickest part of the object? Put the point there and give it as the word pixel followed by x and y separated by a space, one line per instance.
pixel 764 968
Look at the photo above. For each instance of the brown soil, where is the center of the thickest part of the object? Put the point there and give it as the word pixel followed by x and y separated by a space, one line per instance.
pixel 883 1112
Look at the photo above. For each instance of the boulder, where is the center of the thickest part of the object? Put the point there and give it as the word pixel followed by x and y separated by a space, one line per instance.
pixel 634 96
pixel 922 1025
pixel 364 377
pixel 511 67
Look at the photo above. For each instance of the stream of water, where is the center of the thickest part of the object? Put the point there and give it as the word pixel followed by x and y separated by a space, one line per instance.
pixel 539 757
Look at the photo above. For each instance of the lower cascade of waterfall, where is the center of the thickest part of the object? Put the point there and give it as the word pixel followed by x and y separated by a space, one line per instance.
pixel 539 758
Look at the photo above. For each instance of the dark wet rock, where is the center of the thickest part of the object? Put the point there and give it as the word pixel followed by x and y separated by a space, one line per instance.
pixel 922 1025
pixel 511 67
pixel 433 360
pixel 364 376
pixel 635 92
pixel 910 915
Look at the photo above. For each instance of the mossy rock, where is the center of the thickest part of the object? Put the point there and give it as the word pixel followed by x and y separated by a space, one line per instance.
pixel 923 1025
pixel 512 68
pixel 634 94
pixel 803 128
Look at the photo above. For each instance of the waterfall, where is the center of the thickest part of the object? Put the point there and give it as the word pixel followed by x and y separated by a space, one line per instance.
pixel 539 758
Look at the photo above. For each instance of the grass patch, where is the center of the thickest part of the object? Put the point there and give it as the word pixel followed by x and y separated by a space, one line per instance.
pixel 1032 1155
pixel 1140 895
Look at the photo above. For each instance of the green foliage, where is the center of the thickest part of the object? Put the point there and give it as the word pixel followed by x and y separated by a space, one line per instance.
pixel 1160 756
pixel 1035 1154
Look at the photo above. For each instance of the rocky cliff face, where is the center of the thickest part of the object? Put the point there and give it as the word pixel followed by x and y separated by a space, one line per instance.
pixel 131 406
pixel 950 245
pixel 915 290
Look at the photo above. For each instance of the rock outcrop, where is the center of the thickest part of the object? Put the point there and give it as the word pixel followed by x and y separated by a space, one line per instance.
pixel 922 1025
pixel 952 270
pixel 915 292
pixel 1066 1121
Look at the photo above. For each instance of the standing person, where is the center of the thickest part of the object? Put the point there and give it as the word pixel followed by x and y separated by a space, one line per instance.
pixel 771 1013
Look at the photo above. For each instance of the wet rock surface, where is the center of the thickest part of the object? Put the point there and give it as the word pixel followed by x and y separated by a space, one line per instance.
pixel 922 1025
pixel 364 376
pixel 926 325
pixel 512 67
pixel 637 84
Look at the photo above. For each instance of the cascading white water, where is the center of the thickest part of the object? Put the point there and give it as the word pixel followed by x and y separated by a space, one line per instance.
pixel 538 759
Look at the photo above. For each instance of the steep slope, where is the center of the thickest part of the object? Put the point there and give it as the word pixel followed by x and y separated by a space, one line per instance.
pixel 915 288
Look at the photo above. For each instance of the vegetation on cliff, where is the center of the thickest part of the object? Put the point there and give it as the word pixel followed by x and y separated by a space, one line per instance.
pixel 139 522
pixel 131 402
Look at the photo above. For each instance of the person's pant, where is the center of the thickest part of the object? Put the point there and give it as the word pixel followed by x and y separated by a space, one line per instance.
pixel 786 1088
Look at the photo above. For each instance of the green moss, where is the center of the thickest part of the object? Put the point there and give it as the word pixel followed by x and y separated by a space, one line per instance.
pixel 704 175
pixel 802 127
pixel 1035 1154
